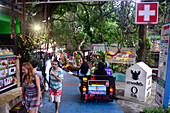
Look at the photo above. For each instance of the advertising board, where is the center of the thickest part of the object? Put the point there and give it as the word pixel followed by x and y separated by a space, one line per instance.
pixel 163 80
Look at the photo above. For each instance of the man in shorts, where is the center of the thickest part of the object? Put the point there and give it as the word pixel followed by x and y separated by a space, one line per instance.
pixel 56 76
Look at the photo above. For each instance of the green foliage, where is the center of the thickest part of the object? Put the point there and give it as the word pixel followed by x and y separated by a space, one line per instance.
pixel 102 56
pixel 77 56
pixel 120 68
pixel 115 68
pixel 25 48
pixel 98 21
pixel 150 62
pixel 156 110
pixel 70 50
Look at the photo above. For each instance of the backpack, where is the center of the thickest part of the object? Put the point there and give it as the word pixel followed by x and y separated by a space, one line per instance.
pixel 49 76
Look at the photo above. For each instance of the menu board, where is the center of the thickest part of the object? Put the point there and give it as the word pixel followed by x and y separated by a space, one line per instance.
pixel 7 73
pixel 163 80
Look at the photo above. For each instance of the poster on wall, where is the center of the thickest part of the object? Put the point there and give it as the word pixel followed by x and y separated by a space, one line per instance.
pixel 125 56
pixel 1 83
pixel 163 80
pixel 3 63
pixel 8 81
pixel 11 62
pixel 12 70
pixel 3 73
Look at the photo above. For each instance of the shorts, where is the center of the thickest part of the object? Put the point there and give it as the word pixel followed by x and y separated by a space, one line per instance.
pixel 55 95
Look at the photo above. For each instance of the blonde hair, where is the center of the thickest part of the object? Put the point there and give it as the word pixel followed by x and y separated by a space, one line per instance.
pixel 29 67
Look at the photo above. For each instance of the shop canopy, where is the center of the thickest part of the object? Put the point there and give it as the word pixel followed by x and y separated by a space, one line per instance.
pixel 5 23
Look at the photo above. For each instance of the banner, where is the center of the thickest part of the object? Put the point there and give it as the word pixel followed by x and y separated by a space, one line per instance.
pixel 125 56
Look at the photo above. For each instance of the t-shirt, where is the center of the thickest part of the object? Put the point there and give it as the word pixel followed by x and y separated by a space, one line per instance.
pixel 41 78
pixel 47 66
pixel 109 71
pixel 54 83
pixel 88 73
pixel 39 74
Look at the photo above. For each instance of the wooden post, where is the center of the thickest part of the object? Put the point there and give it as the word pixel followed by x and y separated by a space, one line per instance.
pixel 18 70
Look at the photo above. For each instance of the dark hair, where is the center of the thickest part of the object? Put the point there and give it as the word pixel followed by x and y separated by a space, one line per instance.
pixel 84 68
pixel 101 65
pixel 34 63
pixel 55 60
pixel 50 57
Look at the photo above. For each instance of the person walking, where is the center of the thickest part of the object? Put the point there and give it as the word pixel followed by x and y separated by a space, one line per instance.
pixel 31 91
pixel 56 76
pixel 35 64
pixel 47 68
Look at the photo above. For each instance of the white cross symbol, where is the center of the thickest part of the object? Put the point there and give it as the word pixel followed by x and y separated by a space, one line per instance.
pixel 147 12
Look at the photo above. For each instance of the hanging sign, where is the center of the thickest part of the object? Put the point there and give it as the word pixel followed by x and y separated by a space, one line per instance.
pixel 146 12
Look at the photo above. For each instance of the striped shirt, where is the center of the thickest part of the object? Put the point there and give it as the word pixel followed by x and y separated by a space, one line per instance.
pixel 54 83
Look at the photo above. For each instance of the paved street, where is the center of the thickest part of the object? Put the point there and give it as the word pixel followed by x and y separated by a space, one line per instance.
pixel 71 100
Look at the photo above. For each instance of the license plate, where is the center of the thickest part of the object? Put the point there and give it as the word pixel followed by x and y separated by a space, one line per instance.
pixel 97 90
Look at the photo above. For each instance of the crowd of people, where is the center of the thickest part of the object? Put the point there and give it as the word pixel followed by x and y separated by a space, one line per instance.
pixel 32 81
pixel 31 84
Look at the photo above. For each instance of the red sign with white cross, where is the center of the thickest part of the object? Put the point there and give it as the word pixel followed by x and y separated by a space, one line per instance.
pixel 146 12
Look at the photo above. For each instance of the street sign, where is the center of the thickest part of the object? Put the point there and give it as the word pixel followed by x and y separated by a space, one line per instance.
pixel 138 82
pixel 163 80
pixel 146 13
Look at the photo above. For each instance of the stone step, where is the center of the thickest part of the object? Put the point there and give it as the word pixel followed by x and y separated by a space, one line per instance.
pixel 9 99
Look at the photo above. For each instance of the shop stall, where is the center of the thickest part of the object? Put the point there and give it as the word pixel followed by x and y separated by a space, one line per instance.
pixel 10 90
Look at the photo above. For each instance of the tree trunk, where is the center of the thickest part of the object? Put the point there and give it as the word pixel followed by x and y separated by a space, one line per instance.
pixel 13 28
pixel 23 20
pixel 141 53
pixel 79 48
pixel 46 29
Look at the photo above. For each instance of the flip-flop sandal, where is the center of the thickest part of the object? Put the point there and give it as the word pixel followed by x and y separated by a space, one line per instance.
pixel 18 107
